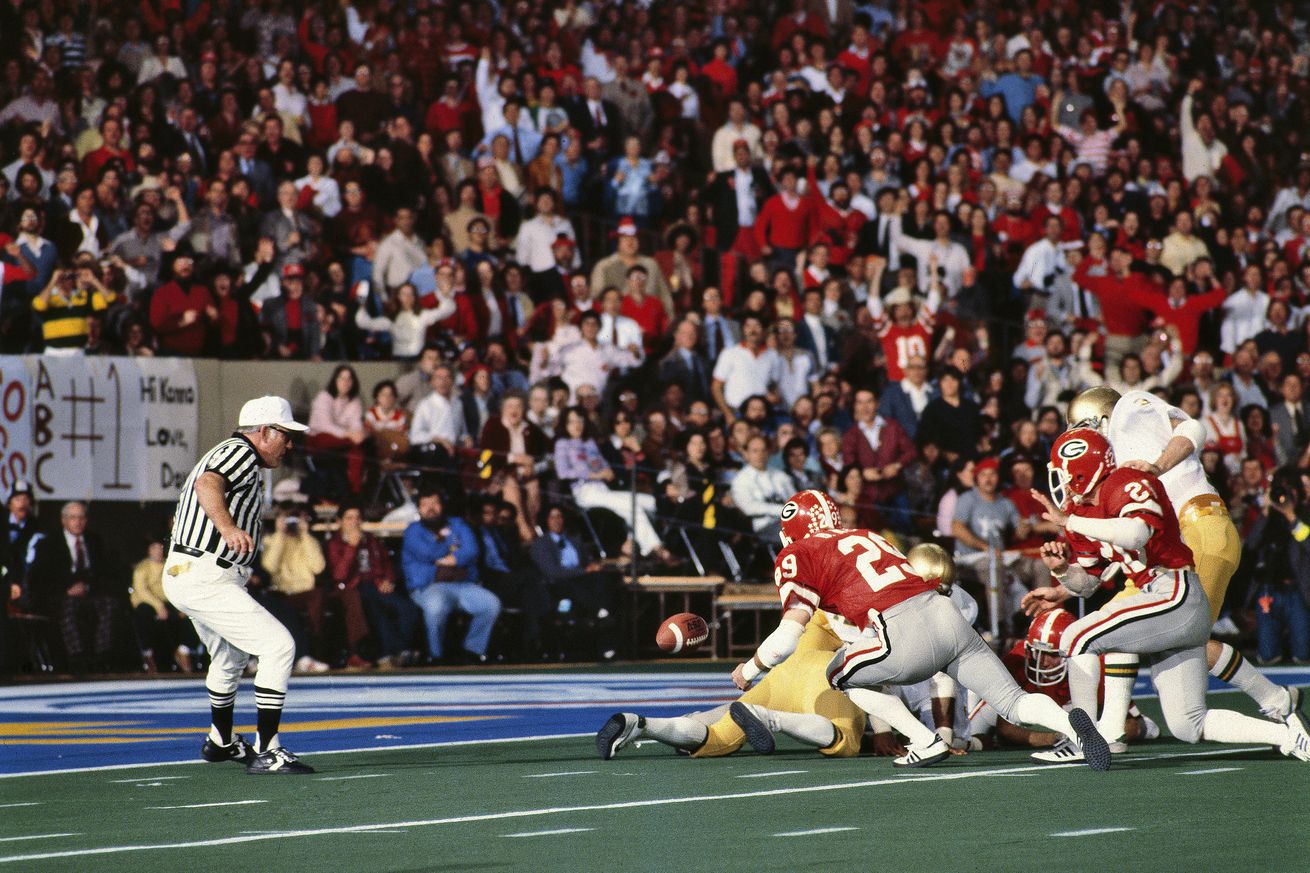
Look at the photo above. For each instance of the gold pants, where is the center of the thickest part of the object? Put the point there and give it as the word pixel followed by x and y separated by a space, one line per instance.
pixel 798 684
pixel 1208 531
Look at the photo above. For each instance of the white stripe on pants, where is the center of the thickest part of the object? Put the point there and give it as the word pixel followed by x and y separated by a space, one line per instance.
pixel 594 495
pixel 229 622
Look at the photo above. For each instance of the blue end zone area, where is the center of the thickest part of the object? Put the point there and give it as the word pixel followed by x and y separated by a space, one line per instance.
pixel 106 724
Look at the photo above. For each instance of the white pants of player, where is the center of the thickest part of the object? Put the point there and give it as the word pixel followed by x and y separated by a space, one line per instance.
pixel 1168 624
pixel 594 495
pixel 229 622
pixel 917 638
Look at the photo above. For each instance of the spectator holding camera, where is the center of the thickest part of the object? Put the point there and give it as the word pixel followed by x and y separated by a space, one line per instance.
pixel 1281 594
pixel 293 559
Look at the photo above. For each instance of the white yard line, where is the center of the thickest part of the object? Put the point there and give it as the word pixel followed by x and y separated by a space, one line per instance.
pixel 550 833
pixel 811 833
pixel 774 773
pixel 1091 831
pixel 208 805
pixel 560 810
pixel 147 779
pixel 1210 770
pixel 12 805
pixel 35 837
pixel 345 778
pixel 561 773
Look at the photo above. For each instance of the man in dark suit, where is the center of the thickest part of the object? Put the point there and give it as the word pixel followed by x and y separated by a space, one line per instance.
pixel 16 534
pixel 878 235
pixel 74 581
pixel 504 571
pixel 904 401
pixel 258 173
pixel 599 121
pixel 1290 420
pixel 718 330
pixel 813 336
pixel 572 574
pixel 736 197
pixel 684 366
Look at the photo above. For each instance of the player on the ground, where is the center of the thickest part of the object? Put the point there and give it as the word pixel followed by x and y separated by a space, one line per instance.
pixel 215 539
pixel 1120 519
pixel 795 699
pixel 1037 665
pixel 897 630
pixel 1149 435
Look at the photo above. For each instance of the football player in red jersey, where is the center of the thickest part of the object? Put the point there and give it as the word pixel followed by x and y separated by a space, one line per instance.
pixel 1120 519
pixel 1037 665
pixel 897 630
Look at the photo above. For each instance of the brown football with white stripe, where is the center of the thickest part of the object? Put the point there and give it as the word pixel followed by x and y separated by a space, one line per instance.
pixel 682 633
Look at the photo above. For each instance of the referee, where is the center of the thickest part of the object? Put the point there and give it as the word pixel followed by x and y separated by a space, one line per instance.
pixel 216 532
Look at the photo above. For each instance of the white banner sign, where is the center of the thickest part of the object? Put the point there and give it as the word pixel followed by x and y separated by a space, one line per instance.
pixel 97 428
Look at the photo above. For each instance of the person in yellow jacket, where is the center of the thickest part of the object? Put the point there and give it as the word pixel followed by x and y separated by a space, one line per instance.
pixel 159 626
pixel 293 559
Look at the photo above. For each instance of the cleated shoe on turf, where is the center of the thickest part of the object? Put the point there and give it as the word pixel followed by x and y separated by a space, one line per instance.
pixel 923 756
pixel 1117 747
pixel 1065 751
pixel 755 727
pixel 1297 744
pixel 1150 730
pixel 1094 747
pixel 238 750
pixel 621 729
pixel 278 762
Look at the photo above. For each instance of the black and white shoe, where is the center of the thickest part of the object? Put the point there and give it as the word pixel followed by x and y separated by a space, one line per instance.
pixel 238 750
pixel 277 761
pixel 621 729
pixel 755 728
pixel 923 756
pixel 1095 749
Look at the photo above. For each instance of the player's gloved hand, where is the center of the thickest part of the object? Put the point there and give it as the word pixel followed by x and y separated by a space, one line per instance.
pixel 1141 466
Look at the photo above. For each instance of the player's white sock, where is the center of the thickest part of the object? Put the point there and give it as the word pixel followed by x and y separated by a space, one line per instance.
pixel 1226 726
pixel 1040 711
pixel 1084 681
pixel 1232 668
pixel 808 728
pixel 1120 674
pixel 680 732
pixel 892 710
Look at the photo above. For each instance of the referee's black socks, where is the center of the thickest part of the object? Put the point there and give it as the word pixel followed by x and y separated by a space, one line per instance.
pixel 220 715
pixel 268 705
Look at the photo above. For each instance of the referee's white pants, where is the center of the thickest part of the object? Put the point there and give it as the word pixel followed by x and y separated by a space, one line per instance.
pixel 595 495
pixel 229 622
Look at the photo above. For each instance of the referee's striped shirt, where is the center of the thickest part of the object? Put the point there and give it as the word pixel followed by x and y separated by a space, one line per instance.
pixel 237 462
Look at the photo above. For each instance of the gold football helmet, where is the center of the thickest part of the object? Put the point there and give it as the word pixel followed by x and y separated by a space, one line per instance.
pixel 932 562
pixel 1092 408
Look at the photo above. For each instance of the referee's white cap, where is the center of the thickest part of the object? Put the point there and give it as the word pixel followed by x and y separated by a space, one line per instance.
pixel 269 411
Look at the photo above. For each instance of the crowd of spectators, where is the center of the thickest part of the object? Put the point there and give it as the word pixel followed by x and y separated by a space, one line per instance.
pixel 707 253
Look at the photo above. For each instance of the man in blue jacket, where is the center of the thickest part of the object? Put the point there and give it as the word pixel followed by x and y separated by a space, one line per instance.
pixel 440 558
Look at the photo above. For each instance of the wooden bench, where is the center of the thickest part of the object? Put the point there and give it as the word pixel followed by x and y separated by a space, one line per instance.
pixel 757 599
pixel 662 587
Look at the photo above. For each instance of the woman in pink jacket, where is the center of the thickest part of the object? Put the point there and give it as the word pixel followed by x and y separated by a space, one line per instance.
pixel 336 427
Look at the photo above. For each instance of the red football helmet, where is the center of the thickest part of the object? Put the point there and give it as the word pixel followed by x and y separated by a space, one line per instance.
pixel 806 513
pixel 1042 662
pixel 1080 459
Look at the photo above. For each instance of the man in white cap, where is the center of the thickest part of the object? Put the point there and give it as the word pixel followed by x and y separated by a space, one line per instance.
pixel 215 540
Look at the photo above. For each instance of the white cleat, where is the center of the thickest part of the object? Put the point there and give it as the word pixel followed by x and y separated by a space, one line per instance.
pixel 621 729
pixel 923 756
pixel 1150 730
pixel 1065 751
pixel 1117 747
pixel 1297 744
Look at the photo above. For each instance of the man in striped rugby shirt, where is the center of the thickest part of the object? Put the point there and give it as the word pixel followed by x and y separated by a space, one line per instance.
pixel 216 533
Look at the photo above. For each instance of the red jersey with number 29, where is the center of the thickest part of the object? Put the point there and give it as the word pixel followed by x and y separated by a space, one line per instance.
pixel 1130 493
pixel 846 573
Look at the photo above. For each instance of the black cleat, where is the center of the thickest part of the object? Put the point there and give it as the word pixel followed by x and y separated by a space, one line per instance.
pixel 756 729
pixel 277 762
pixel 1095 749
pixel 238 750
pixel 621 729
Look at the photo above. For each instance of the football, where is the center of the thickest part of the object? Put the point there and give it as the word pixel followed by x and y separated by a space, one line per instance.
pixel 682 633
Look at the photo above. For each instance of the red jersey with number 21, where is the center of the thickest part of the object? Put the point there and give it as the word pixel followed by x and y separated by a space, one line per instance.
pixel 846 573
pixel 1128 493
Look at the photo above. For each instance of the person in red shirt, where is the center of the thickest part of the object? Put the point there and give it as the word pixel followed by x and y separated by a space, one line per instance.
pixel 837 224
pixel 786 222
pixel 647 311
pixel 111 133
pixel 181 310
pixel 1182 311
pixel 1117 292
pixel 720 72
pixel 896 628
pixel 903 332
